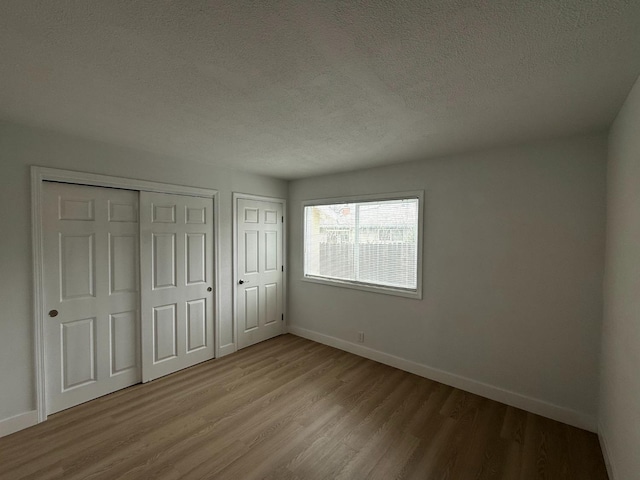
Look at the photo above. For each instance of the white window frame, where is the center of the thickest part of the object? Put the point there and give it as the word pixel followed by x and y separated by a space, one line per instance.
pixel 400 292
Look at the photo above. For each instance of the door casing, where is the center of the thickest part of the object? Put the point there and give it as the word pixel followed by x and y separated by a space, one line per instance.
pixel 42 174
pixel 236 196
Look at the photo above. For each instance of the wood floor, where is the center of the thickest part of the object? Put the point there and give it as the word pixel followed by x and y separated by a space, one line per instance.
pixel 289 408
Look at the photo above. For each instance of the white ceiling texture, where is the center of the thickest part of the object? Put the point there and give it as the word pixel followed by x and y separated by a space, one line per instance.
pixel 300 88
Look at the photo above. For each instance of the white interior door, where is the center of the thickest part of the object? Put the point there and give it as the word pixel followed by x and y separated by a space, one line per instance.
pixel 259 275
pixel 177 282
pixel 91 292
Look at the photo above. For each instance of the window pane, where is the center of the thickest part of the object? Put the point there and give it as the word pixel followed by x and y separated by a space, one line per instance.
pixel 329 238
pixel 387 243
pixel 371 243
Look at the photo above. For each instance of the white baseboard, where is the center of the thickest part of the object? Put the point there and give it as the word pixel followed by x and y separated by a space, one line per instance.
pixel 227 349
pixel 18 422
pixel 606 453
pixel 533 405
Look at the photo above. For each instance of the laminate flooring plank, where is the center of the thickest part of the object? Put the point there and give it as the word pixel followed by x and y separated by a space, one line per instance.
pixel 181 426
pixel 292 409
pixel 485 450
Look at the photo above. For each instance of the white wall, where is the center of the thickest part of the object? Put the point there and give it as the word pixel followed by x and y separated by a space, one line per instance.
pixel 620 378
pixel 513 267
pixel 21 147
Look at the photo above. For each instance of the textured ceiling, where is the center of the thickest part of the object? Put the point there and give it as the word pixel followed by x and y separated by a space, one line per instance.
pixel 300 88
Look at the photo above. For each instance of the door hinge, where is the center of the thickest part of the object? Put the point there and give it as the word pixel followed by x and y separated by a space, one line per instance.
pixel 283 268
pixel 283 317
pixel 282 219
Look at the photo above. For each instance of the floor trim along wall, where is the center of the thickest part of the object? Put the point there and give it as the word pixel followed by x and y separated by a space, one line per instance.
pixel 18 422
pixel 517 400
pixel 606 453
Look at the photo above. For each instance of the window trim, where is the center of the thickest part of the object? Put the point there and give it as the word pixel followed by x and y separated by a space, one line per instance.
pixel 400 292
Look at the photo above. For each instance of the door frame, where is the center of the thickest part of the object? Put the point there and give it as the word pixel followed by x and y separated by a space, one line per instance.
pixel 42 174
pixel 234 249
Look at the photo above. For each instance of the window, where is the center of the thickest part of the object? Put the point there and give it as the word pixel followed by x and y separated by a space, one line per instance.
pixel 370 243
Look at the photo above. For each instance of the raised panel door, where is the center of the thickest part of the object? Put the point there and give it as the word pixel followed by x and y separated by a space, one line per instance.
pixel 259 259
pixel 177 277
pixel 91 291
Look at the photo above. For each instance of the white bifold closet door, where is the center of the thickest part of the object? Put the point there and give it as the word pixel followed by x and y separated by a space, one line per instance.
pixel 90 242
pixel 177 282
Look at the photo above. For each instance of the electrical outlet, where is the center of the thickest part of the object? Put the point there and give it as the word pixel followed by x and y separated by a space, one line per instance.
pixel 361 337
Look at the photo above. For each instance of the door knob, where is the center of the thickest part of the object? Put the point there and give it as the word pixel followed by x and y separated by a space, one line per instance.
pixel 53 313
pixel 209 289
pixel 241 282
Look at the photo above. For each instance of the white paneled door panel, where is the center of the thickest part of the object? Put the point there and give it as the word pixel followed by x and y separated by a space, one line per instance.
pixel 259 289
pixel 91 292
pixel 177 282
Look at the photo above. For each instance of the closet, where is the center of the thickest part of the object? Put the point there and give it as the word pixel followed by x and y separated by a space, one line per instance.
pixel 128 288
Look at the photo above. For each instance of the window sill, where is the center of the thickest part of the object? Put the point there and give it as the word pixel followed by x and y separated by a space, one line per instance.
pixel 398 292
